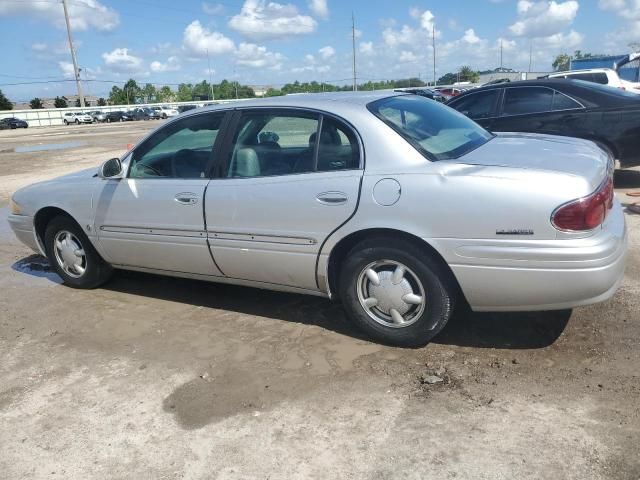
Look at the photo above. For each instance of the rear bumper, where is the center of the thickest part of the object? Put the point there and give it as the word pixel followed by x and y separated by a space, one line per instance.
pixel 547 275
pixel 22 226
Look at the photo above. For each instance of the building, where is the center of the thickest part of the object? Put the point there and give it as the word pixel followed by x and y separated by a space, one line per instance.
pixel 91 101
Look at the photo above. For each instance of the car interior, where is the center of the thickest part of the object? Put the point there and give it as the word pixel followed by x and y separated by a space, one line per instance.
pixel 260 152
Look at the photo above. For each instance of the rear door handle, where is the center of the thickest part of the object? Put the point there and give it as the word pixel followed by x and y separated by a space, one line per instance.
pixel 186 198
pixel 332 198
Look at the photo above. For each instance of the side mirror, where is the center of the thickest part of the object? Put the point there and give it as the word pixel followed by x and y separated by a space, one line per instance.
pixel 111 168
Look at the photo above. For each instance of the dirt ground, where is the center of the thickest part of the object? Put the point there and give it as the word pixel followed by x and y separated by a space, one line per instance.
pixel 159 378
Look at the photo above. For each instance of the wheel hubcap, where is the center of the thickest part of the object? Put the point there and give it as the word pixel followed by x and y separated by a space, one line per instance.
pixel 69 254
pixel 391 293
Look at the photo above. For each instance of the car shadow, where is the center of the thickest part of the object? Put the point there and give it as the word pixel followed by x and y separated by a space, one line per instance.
pixel 521 330
pixel 626 179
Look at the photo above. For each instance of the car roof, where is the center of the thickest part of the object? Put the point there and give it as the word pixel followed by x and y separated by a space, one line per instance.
pixel 583 70
pixel 319 101
pixel 588 93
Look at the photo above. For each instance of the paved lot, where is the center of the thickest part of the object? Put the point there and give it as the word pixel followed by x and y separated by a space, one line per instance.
pixel 153 377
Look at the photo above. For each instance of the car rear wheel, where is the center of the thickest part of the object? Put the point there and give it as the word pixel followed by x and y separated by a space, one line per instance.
pixel 72 255
pixel 398 294
pixel 121 119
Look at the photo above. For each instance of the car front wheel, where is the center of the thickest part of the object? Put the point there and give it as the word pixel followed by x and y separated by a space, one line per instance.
pixel 72 255
pixel 77 122
pixel 399 294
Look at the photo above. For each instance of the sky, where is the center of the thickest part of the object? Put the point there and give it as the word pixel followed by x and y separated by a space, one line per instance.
pixel 261 42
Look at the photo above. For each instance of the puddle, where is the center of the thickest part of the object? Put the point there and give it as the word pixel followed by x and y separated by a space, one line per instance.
pixel 37 266
pixel 47 146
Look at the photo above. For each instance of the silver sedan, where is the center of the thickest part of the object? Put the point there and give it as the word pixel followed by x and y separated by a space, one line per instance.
pixel 395 204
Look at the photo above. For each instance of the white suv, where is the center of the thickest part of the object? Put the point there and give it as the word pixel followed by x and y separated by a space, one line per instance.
pixel 603 76
pixel 77 118
pixel 166 111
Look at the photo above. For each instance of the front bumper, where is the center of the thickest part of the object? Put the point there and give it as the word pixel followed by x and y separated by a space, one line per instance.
pixel 22 226
pixel 542 275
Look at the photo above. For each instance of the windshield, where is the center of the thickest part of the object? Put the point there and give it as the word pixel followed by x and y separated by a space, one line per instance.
pixel 437 131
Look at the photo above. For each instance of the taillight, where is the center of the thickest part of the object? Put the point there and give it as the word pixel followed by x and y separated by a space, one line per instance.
pixel 585 213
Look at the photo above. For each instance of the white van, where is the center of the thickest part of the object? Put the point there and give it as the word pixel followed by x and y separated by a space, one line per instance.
pixel 603 76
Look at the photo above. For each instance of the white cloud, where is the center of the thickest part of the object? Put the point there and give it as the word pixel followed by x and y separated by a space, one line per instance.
pixel 257 56
pixel 67 69
pixel 470 37
pixel 83 14
pixel 121 61
pixel 39 47
pixel 171 65
pixel 366 48
pixel 543 18
pixel 212 8
pixel 327 52
pixel 406 56
pixel 198 40
pixel 259 20
pixel 319 8
pixel 629 11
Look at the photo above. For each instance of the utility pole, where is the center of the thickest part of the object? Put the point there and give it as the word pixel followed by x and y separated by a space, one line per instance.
pixel 209 69
pixel 76 70
pixel 530 54
pixel 500 54
pixel 433 40
pixel 353 46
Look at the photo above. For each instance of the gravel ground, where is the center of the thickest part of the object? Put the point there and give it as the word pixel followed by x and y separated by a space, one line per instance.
pixel 160 378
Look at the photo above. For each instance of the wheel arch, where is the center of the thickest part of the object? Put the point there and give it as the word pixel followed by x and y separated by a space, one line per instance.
pixel 342 248
pixel 42 219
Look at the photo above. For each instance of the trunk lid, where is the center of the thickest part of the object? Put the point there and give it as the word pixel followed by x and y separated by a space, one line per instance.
pixel 571 156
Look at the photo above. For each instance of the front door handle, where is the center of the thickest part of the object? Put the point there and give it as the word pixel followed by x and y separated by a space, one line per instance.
pixel 186 198
pixel 332 198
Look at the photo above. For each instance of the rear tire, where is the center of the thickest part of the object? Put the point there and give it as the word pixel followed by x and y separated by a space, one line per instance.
pixel 410 303
pixel 72 255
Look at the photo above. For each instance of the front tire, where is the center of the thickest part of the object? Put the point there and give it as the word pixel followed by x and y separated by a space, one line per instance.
pixel 72 255
pixel 396 292
pixel 77 122
pixel 65 122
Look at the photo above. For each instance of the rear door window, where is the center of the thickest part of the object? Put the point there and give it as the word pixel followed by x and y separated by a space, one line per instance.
pixel 563 102
pixel 478 105
pixel 526 100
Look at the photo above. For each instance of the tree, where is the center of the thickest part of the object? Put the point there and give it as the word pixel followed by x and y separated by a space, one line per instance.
pixel 102 102
pixel 185 92
pixel 5 104
pixel 149 93
pixel 36 103
pixel 561 62
pixel 132 91
pixel 466 74
pixel 165 94
pixel 117 96
pixel 60 102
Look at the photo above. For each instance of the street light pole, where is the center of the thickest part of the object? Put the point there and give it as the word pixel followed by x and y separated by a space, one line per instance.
pixel 76 70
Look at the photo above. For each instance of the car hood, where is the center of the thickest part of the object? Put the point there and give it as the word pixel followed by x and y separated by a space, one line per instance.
pixel 571 156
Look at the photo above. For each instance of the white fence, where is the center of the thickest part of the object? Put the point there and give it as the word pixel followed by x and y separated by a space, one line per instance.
pixel 46 117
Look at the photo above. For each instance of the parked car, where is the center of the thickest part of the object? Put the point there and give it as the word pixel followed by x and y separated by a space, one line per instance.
pixel 12 122
pixel 77 118
pixel 603 76
pixel 441 211
pixel 118 116
pixel 166 112
pixel 152 114
pixel 98 116
pixel 186 108
pixel 424 92
pixel 608 116
pixel 449 92
pixel 137 114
